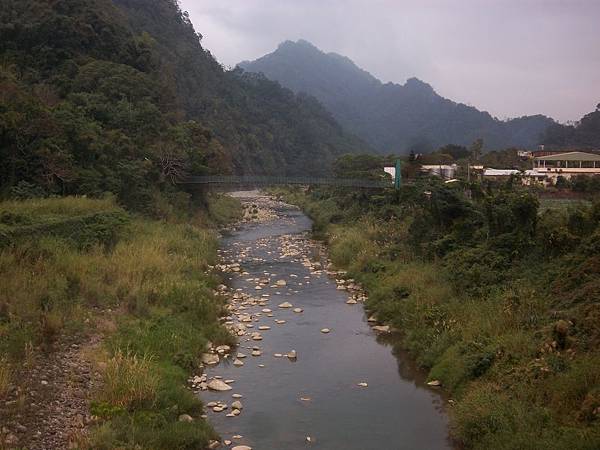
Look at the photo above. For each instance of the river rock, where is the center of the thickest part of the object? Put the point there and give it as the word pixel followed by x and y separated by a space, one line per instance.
pixel 241 447
pixel 218 385
pixel 298 310
pixel 223 349
pixel 325 330
pixel 292 354
pixel 281 283
pixel 237 405
pixel 434 383
pixel 185 418
pixel 210 359
pixel 238 363
pixel 382 328
pixel 286 305
pixel 264 327
pixel 363 384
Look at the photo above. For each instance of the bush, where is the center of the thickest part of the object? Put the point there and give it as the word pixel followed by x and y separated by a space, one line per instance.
pixel 130 381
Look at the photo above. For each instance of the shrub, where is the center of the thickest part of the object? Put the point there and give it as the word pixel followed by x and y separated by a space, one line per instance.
pixel 129 381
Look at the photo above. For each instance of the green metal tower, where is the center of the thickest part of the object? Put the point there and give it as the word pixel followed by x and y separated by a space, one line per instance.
pixel 398 177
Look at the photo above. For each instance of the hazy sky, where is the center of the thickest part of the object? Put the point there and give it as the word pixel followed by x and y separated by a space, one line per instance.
pixel 509 57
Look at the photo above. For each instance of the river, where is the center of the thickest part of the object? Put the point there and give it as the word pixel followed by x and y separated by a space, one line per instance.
pixel 314 400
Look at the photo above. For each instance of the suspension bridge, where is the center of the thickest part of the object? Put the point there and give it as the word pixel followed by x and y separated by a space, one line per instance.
pixel 254 180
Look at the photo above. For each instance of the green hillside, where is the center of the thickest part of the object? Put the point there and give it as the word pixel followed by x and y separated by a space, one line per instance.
pixel 119 96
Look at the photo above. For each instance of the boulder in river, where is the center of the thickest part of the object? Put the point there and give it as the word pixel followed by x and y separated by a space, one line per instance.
pixel 237 405
pixel 292 355
pixel 286 305
pixel 281 283
pixel 382 328
pixel 210 359
pixel 325 330
pixel 218 385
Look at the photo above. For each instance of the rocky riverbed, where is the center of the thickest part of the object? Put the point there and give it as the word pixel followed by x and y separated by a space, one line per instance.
pixel 311 369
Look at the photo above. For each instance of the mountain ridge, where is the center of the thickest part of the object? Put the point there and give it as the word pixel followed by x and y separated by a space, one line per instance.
pixel 392 117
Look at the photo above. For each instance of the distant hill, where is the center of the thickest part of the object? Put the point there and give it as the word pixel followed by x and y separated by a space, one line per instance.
pixel 391 117
pixel 584 135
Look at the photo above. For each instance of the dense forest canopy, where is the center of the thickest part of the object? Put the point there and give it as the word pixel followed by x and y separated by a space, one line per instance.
pixel 119 96
pixel 393 118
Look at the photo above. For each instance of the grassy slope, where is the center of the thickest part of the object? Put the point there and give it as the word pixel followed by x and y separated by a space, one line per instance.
pixel 523 370
pixel 152 276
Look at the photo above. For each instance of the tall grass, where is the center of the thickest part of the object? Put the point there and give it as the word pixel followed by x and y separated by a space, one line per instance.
pixel 152 285
pixel 5 377
pixel 129 380
pixel 59 206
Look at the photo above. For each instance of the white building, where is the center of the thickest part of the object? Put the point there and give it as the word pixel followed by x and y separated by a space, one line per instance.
pixel 446 171
pixel 571 164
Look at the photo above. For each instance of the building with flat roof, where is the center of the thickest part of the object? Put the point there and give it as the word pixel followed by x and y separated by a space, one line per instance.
pixel 570 164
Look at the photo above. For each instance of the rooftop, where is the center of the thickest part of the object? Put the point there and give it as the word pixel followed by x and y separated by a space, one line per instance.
pixel 570 156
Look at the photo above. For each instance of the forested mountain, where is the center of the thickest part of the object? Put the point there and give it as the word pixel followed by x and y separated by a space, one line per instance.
pixel 583 135
pixel 391 117
pixel 120 96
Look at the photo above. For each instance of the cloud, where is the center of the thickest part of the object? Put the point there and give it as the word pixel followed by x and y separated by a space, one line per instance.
pixel 510 57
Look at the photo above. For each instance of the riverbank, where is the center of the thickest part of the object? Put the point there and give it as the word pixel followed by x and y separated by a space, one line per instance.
pixel 102 317
pixel 310 368
pixel 492 299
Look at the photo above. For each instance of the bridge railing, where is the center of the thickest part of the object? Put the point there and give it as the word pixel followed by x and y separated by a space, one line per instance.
pixel 282 180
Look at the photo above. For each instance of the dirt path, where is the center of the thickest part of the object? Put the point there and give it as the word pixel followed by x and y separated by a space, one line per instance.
pixel 49 406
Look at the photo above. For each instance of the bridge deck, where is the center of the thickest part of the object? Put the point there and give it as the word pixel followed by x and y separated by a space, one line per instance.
pixel 275 180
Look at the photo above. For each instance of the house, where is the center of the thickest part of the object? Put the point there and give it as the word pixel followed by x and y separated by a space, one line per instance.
pixel 570 164
pixel 500 174
pixel 446 171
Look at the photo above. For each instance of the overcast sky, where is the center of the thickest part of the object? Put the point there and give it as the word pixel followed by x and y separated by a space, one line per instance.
pixel 508 57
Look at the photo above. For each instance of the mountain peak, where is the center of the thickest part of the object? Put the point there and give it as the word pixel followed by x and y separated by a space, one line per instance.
pixel 299 44
pixel 388 116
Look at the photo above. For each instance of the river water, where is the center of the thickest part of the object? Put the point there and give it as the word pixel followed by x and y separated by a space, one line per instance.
pixel 317 396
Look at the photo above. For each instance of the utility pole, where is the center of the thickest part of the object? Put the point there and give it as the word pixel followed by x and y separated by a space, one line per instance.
pixel 398 175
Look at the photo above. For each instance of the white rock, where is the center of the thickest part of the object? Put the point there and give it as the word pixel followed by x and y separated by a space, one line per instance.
pixel 281 283
pixel 210 359
pixel 238 363
pixel 286 305
pixel 362 384
pixel 218 385
pixel 434 383
pixel 298 310
pixel 382 328
pixel 325 330
pixel 237 405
